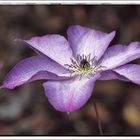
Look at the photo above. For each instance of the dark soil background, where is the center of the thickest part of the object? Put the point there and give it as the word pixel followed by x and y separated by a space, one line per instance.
pixel 26 111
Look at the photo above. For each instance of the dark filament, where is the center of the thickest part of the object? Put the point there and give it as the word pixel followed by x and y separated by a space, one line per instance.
pixel 98 118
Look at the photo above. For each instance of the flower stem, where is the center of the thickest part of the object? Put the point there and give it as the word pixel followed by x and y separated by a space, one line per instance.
pixel 98 118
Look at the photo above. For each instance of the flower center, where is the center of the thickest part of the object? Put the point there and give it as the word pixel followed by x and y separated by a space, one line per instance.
pixel 83 65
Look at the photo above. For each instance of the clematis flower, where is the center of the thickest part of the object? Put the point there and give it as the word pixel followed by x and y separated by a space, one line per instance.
pixel 72 67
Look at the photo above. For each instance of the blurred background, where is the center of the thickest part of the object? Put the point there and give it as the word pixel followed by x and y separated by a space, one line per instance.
pixel 26 111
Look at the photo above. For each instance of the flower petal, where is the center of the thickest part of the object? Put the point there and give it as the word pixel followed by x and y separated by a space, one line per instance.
pixel 69 95
pixel 33 68
pixel 75 35
pixel 88 41
pixel 55 47
pixel 130 71
pixel 111 75
pixel 118 55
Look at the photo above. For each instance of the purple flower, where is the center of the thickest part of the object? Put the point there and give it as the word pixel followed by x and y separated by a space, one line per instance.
pixel 72 67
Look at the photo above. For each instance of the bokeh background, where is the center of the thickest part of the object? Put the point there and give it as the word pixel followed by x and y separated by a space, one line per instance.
pixel 26 111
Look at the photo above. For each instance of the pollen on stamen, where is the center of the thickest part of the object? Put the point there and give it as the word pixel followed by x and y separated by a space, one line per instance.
pixel 83 65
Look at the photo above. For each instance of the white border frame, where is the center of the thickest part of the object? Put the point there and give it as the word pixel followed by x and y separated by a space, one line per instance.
pixel 68 137
pixel 70 2
pixel 39 2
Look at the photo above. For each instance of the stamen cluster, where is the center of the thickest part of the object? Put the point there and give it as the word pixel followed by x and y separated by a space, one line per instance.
pixel 84 65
